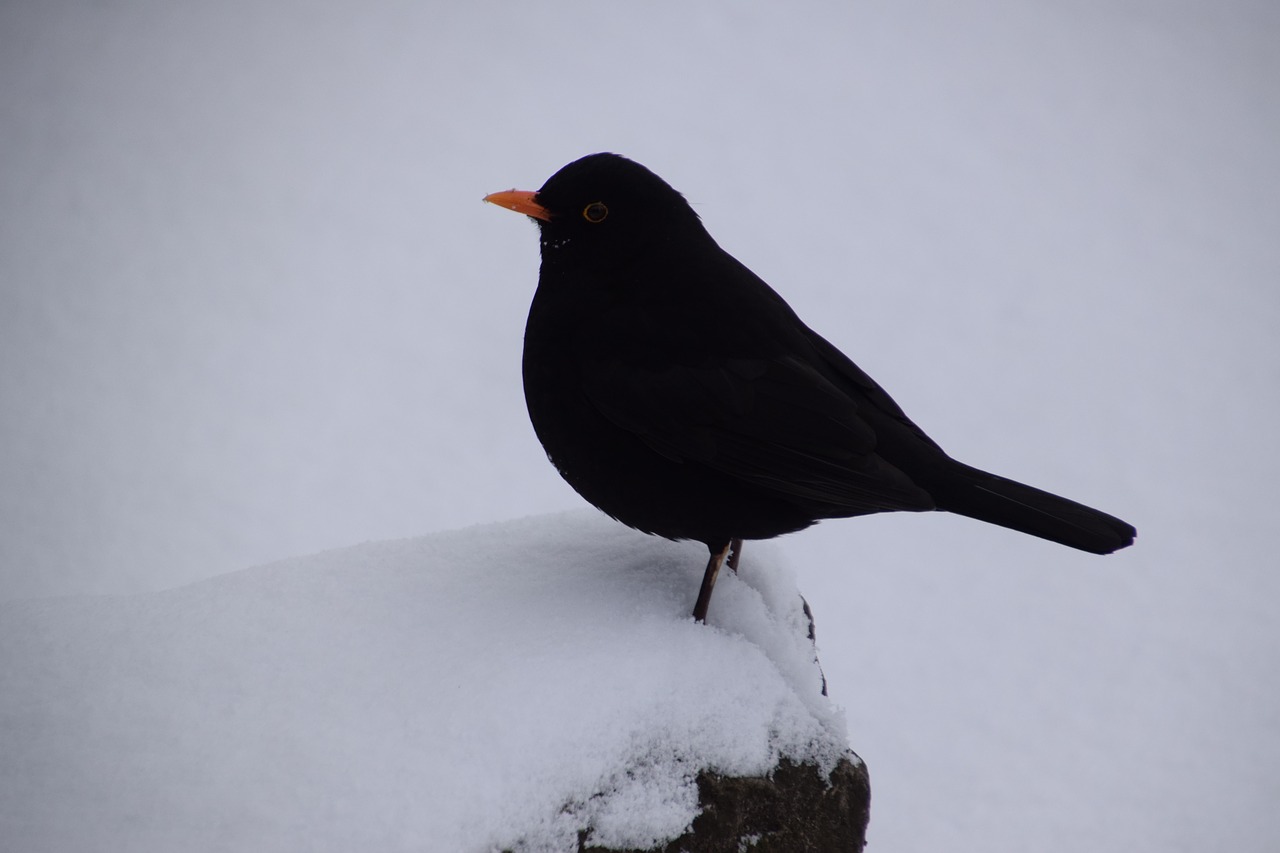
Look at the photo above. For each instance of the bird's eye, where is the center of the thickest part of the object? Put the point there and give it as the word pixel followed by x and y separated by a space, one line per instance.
pixel 595 212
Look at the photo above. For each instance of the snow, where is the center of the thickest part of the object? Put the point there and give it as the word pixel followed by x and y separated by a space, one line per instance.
pixel 500 685
pixel 251 307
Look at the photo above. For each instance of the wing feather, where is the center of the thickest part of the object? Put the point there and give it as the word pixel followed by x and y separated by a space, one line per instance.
pixel 778 424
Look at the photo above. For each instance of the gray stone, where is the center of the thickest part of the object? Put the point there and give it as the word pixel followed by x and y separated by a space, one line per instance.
pixel 793 810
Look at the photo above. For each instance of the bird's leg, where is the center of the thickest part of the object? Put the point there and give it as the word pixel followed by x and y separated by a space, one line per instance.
pixel 735 554
pixel 709 582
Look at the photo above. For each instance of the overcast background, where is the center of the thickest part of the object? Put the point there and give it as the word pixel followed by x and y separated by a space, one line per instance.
pixel 251 307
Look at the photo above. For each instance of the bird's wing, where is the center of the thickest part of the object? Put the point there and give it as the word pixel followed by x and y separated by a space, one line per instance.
pixel 867 387
pixel 776 423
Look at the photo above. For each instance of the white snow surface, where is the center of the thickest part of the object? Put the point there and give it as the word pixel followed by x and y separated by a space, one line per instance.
pixel 498 687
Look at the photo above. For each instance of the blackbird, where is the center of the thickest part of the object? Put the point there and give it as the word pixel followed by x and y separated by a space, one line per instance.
pixel 677 392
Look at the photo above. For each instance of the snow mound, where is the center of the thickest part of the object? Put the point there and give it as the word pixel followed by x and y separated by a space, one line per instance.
pixel 497 687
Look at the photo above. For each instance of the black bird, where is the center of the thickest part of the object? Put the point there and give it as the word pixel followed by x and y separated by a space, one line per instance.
pixel 677 392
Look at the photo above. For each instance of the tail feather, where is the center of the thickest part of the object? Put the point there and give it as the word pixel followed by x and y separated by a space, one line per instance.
pixel 996 500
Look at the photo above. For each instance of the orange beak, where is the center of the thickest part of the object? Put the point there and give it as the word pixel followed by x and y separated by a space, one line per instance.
pixel 521 201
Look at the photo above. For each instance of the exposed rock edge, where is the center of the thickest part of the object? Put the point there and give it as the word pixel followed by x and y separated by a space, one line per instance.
pixel 792 810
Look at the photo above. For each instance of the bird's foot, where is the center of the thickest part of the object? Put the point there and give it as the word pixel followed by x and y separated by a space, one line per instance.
pixel 709 582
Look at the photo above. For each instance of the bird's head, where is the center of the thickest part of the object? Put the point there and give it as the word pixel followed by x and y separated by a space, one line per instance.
pixel 604 209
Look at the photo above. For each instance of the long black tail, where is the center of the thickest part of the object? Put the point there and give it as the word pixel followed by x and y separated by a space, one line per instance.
pixel 996 500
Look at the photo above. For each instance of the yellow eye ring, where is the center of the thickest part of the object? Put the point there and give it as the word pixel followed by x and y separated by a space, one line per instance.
pixel 595 212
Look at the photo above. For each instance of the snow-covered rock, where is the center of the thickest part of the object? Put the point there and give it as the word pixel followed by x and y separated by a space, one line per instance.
pixel 505 686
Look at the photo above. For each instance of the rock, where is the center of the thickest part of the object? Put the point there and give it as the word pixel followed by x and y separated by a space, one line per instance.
pixel 794 810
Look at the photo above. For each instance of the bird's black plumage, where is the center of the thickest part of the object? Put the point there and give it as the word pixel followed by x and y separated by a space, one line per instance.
pixel 677 392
